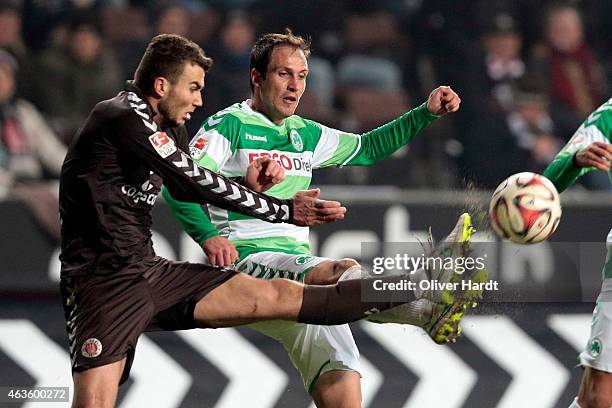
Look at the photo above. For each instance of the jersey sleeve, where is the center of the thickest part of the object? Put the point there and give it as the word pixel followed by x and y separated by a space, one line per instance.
pixel 194 220
pixel 562 171
pixel 185 180
pixel 214 143
pixel 337 148
pixel 209 148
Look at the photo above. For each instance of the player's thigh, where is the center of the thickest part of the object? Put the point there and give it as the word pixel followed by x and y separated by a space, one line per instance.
pixel 244 299
pixel 98 386
pixel 271 264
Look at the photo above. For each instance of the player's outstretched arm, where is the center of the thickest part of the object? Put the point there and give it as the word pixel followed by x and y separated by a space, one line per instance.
pixel 186 181
pixel 370 147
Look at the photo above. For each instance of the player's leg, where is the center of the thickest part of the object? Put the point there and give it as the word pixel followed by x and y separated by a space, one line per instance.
pixel 326 357
pixel 244 299
pixel 595 389
pixel 441 321
pixel 104 317
pixel 97 387
pixel 338 389
pixel 596 358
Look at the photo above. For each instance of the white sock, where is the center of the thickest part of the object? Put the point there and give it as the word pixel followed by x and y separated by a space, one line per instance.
pixel 417 277
pixel 354 272
pixel 415 313
pixel 575 403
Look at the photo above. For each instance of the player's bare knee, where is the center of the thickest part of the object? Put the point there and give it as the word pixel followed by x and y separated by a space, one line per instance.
pixel 597 400
pixel 93 399
pixel 341 266
pixel 596 389
pixel 338 388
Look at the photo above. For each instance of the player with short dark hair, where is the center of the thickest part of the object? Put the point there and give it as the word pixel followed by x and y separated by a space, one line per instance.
pixel 262 50
pixel 113 285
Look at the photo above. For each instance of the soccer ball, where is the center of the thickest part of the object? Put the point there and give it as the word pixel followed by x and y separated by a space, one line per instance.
pixel 525 208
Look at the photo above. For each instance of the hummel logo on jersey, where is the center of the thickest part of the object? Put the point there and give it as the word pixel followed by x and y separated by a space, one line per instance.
pixel 256 138
pixel 139 109
pixel 132 97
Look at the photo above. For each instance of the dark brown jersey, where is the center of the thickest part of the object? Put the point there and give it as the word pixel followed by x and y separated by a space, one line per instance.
pixel 111 178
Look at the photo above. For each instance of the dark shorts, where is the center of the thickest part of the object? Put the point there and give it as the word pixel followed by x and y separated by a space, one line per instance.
pixel 105 314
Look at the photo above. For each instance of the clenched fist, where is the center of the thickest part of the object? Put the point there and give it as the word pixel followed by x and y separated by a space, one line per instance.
pixel 443 100
pixel 264 173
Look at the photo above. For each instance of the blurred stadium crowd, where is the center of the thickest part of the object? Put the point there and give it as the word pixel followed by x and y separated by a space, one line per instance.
pixel 528 73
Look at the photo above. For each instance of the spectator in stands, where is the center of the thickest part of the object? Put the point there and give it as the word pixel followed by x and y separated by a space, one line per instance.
pixel 11 40
pixel 499 143
pixel 128 39
pixel 29 150
pixel 230 52
pixel 318 100
pixel 569 66
pixel 10 32
pixel 76 76
pixel 173 19
pixel 499 65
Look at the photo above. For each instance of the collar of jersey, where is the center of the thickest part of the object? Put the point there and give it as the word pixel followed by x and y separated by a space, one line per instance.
pixel 130 86
pixel 246 105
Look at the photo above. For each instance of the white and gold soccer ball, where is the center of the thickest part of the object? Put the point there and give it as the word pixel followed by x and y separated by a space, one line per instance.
pixel 525 208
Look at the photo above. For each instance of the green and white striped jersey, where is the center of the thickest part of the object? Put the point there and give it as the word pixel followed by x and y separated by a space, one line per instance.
pixel 232 138
pixel 596 128
pixel 562 172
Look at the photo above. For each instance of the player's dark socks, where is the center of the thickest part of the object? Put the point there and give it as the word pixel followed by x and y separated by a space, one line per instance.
pixel 342 303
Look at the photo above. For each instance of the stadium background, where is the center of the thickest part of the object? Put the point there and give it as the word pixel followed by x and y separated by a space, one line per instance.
pixel 372 60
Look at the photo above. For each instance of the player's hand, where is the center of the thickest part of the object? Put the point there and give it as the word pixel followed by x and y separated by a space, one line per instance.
pixel 597 154
pixel 309 209
pixel 443 100
pixel 220 251
pixel 263 173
